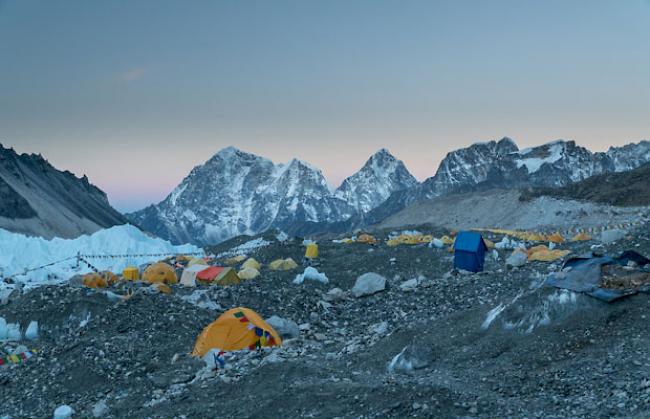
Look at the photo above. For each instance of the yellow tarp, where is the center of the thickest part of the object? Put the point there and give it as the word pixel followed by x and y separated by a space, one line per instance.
pixel 555 238
pixel 409 239
pixel 544 254
pixel 236 329
pixel 366 239
pixel 248 273
pixel 160 272
pixel 283 265
pixel 94 280
pixel 580 237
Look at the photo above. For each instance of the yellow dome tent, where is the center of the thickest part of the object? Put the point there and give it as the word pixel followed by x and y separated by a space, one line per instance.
pixel 197 261
pixel 248 273
pixel 236 329
pixel 251 263
pixel 283 265
pixel 160 272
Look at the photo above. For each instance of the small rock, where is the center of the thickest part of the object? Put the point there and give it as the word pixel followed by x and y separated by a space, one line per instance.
pixel 100 409
pixel 517 259
pixel 335 294
pixel 610 236
pixel 63 412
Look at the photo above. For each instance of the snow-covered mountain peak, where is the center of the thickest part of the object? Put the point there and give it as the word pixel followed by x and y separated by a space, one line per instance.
pixel 380 176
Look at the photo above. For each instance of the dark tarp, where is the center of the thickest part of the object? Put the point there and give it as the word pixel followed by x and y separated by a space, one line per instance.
pixel 585 275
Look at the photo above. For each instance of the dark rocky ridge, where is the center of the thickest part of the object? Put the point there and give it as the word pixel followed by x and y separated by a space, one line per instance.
pixel 621 189
pixel 37 199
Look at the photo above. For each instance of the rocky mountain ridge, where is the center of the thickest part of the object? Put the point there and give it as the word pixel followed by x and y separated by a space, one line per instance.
pixel 37 199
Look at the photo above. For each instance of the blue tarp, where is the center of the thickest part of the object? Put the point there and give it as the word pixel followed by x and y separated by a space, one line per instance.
pixel 585 276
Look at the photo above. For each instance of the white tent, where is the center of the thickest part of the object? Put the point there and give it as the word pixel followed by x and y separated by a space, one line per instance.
pixel 188 278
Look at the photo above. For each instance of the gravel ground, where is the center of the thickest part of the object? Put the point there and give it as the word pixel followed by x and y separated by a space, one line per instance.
pixel 549 353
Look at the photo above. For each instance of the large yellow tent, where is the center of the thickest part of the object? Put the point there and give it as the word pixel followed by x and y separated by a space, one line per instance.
pixel 160 272
pixel 236 329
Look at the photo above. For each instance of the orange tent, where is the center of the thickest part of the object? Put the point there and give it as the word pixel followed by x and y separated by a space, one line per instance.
pixel 160 272
pixel 236 329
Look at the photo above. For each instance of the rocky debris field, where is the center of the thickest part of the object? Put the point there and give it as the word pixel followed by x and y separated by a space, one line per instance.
pixel 426 341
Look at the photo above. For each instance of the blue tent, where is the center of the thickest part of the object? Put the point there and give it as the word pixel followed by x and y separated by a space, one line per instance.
pixel 469 251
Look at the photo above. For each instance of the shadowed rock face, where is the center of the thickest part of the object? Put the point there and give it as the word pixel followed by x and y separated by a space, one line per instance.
pixel 37 199
pixel 12 204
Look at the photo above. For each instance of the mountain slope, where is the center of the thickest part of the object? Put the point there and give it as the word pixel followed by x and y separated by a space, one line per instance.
pixel 502 165
pixel 37 199
pixel 631 188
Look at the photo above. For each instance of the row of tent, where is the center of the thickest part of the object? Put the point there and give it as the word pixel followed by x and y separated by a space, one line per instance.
pixel 194 271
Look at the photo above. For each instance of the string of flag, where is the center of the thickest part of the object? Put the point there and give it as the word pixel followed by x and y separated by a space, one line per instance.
pixel 17 358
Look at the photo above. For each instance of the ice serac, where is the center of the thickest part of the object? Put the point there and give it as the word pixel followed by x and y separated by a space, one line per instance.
pixel 237 193
pixel 38 200
pixel 379 177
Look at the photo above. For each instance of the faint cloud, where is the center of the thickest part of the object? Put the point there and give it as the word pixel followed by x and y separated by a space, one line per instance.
pixel 133 74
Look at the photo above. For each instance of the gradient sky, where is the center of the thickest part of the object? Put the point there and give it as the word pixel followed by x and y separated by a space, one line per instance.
pixel 136 93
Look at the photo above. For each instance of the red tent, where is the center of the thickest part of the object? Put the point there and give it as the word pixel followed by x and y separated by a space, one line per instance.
pixel 210 273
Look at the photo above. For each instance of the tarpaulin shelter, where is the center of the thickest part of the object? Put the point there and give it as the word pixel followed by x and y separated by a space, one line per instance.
pixel 590 275
pixel 469 251
pixel 218 275
pixel 236 329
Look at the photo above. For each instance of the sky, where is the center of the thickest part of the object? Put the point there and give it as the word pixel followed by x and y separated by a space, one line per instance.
pixel 136 93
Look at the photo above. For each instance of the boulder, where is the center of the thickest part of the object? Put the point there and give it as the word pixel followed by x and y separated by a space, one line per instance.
pixel 335 294
pixel 610 236
pixel 412 357
pixel 287 329
pixel 517 259
pixel 409 285
pixel 368 284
